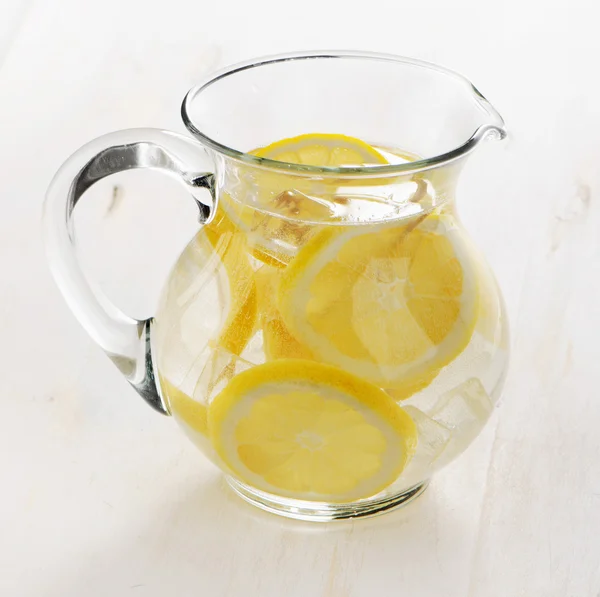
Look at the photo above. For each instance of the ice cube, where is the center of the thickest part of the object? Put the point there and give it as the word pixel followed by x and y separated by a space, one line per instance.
pixel 432 439
pixel 254 351
pixel 464 410
pixel 432 435
pixel 218 371
pixel 464 405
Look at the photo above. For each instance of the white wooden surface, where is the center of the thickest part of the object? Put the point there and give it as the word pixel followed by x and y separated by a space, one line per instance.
pixel 100 496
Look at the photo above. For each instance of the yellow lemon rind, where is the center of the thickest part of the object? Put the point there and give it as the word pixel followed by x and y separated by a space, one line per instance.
pixel 330 140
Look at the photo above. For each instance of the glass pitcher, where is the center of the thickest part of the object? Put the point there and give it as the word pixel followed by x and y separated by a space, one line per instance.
pixel 330 337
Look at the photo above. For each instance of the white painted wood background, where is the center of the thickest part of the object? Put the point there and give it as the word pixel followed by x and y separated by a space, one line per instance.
pixel 100 496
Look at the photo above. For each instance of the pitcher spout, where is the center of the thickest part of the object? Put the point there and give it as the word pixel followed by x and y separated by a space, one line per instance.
pixel 494 129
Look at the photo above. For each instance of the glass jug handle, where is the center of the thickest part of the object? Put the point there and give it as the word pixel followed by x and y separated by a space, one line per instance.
pixel 124 339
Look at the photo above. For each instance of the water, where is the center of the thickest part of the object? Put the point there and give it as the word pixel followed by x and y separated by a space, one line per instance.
pixel 387 287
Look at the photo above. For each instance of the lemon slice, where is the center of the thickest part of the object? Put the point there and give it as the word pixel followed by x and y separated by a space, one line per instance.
pixel 393 303
pixel 183 407
pixel 278 210
pixel 310 431
pixel 230 245
pixel 278 342
pixel 319 149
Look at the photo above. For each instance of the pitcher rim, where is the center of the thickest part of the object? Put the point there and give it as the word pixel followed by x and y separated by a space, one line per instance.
pixel 494 129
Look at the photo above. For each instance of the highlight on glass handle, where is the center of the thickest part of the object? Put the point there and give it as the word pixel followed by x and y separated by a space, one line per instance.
pixel 124 339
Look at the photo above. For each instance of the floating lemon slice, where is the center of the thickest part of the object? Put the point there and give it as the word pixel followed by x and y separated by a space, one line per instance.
pixel 278 210
pixel 318 149
pixel 185 408
pixel 310 431
pixel 230 245
pixel 392 303
pixel 278 342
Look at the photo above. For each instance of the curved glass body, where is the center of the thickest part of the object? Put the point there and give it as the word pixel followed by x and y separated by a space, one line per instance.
pixel 331 336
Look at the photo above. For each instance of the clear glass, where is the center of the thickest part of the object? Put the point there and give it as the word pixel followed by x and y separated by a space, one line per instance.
pixel 331 337
pixel 268 218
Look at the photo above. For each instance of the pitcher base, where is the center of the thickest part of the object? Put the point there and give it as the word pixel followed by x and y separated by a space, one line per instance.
pixel 323 512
